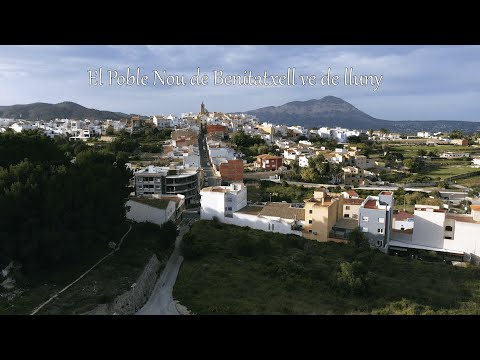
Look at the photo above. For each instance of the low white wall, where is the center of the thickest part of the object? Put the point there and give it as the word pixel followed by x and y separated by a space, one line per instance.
pixel 260 223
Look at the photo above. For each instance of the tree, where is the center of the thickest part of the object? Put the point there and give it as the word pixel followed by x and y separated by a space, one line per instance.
pixel 456 134
pixel 66 210
pixel 309 175
pixel 421 152
pixel 408 163
pixel 110 130
pixel 352 279
pixel 357 238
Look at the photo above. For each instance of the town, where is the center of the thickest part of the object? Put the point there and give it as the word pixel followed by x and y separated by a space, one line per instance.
pixel 409 195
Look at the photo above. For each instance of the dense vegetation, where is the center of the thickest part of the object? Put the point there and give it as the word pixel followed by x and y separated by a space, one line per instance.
pixel 235 270
pixel 251 146
pixel 56 208
pixel 266 191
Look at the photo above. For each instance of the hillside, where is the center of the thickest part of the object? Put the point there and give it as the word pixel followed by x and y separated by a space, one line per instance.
pixel 234 270
pixel 333 111
pixel 66 109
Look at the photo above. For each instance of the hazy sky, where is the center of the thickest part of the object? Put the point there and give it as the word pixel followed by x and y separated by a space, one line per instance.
pixel 419 82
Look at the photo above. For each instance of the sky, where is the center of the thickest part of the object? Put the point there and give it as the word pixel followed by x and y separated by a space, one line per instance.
pixel 418 82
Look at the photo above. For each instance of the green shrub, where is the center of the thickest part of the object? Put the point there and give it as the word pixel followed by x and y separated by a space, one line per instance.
pixel 351 279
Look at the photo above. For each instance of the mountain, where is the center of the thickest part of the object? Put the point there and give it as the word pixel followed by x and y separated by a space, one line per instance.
pixel 63 110
pixel 332 111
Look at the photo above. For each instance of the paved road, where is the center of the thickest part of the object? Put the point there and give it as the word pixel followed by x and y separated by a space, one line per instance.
pixel 161 301
pixel 205 162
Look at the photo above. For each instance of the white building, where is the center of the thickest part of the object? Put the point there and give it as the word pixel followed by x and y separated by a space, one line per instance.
pixel 222 201
pixel 229 205
pixel 403 221
pixel 424 134
pixel 303 161
pixel 21 126
pixel 454 155
pixel 437 230
pixel 476 162
pixel 157 211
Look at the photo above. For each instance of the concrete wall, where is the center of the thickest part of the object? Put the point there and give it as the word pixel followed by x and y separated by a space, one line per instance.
pixel 132 300
pixel 373 224
pixel 261 223
pixel 212 204
pixel 140 212
pixel 429 229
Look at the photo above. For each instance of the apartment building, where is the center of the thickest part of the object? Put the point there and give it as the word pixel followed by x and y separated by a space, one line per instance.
pixel 171 180
pixel 269 162
pixel 351 207
pixel 375 218
pixel 321 213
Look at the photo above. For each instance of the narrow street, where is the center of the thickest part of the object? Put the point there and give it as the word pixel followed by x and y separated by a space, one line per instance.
pixel 210 178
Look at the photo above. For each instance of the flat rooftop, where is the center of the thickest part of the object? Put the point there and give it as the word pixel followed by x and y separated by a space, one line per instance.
pixel 157 203
pixel 353 201
pixel 348 224
pixel 461 217
pixel 251 209
pixel 283 210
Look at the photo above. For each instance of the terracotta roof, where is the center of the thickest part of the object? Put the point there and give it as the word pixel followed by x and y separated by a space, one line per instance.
pixel 402 215
pixel 282 210
pixel 353 201
pixel 352 193
pixel 268 157
pixel 386 193
pixel 475 207
pixel 371 204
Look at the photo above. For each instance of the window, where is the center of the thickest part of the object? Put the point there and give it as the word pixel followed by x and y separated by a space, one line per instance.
pixel 268 226
pixel 364 229
pixel 381 220
pixel 273 227
pixel 380 231
pixel 364 218
pixel 309 231
pixel 448 237
pixel 347 207
pixel 346 215
pixel 229 208
pixel 379 243
pixel 448 228
pixel 310 221
pixel 310 211
pixel 229 200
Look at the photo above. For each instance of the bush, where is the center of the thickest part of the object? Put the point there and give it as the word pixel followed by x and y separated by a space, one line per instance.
pixel 245 247
pixel 351 279
pixel 191 248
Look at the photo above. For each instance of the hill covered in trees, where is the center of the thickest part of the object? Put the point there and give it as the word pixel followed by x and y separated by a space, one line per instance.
pixel 56 208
